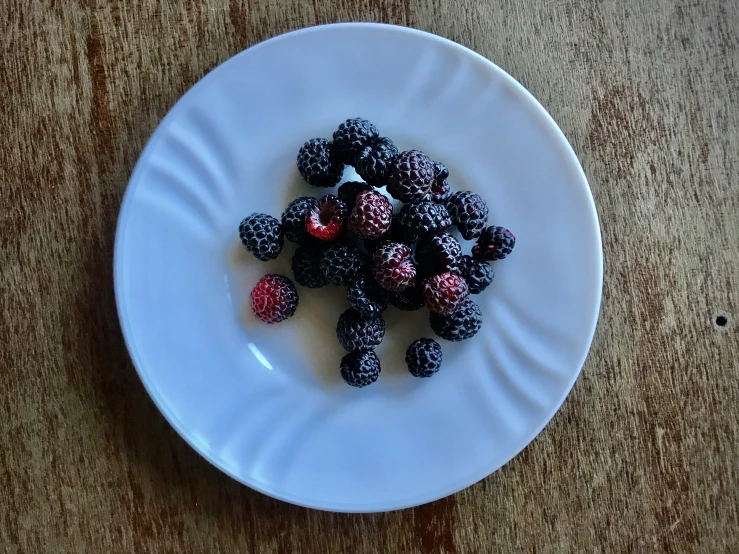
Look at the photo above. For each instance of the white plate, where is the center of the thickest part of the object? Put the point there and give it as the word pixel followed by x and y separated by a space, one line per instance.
pixel 265 404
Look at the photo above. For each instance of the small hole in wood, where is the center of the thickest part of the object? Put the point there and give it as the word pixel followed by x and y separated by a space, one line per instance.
pixel 721 321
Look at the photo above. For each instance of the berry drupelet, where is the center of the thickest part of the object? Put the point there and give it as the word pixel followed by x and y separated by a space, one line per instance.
pixel 319 164
pixel 360 369
pixel 261 234
pixel 357 333
pixel 495 243
pixel 423 357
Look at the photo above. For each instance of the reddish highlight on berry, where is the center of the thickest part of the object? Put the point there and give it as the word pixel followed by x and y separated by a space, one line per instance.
pixel 327 219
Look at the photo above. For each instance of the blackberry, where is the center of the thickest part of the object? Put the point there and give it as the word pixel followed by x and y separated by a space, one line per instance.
pixel 319 164
pixel 360 369
pixel 348 192
pixel 372 215
pixel 307 267
pixel 468 212
pixel 461 324
pixel 366 296
pixel 419 219
pixel 392 266
pixel 495 243
pixel 408 300
pixel 357 333
pixel 478 274
pixel 438 254
pixel 341 262
pixel 410 176
pixel 374 161
pixel 261 234
pixel 423 357
pixel 294 219
pixel 352 136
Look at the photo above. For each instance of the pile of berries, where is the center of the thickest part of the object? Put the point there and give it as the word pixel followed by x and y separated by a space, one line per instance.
pixel 406 257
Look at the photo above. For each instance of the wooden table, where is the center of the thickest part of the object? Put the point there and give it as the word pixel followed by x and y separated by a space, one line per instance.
pixel 642 457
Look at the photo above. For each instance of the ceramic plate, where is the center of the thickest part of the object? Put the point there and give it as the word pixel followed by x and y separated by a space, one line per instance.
pixel 265 403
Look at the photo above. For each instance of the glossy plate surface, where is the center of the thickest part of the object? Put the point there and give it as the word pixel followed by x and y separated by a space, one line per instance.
pixel 264 403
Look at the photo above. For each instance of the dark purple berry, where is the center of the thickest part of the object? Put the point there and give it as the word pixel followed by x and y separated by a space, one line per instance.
pixel 341 262
pixel 306 265
pixel 357 333
pixel 468 212
pixel 410 176
pixel 360 369
pixel 261 234
pixel 352 136
pixel 366 296
pixel 420 219
pixel 319 165
pixel 437 254
pixel 478 274
pixel 375 160
pixel 461 324
pixel 495 243
pixel 423 357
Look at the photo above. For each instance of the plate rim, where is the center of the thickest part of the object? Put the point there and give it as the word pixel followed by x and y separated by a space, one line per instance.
pixel 476 475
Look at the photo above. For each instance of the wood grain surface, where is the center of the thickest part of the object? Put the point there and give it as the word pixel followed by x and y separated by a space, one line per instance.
pixel 642 457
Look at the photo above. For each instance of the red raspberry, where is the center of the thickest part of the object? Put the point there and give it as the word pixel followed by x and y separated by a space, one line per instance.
pixel 392 266
pixel 371 215
pixel 274 298
pixel 445 292
pixel 327 219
